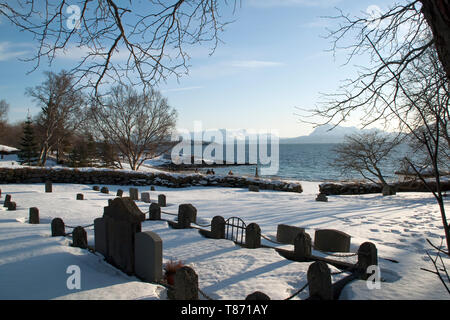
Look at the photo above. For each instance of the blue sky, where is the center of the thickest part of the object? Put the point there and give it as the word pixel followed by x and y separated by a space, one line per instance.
pixel 272 60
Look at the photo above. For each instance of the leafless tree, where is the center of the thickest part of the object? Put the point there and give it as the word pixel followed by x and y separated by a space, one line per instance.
pixel 365 153
pixel 137 41
pixel 4 108
pixel 61 110
pixel 138 124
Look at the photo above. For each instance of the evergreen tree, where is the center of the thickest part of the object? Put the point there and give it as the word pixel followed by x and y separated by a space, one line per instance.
pixel 29 150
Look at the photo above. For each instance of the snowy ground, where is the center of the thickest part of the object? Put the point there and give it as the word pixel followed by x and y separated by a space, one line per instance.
pixel 33 265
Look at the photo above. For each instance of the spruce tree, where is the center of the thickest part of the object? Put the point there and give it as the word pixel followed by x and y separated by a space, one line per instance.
pixel 29 151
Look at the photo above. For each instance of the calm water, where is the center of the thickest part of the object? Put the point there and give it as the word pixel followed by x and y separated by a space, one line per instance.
pixel 310 162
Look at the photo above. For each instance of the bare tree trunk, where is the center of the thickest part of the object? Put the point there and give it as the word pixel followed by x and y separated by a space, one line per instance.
pixel 437 15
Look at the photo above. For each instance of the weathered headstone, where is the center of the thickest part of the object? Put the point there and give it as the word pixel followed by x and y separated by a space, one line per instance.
pixel 162 200
pixel 119 193
pixel 58 228
pixel 302 247
pixel 110 201
pixel 257 296
pixel 186 284
pixel 96 188
pixel 319 281
pixel 330 240
pixel 7 200
pixel 123 220
pixel 145 197
pixel 253 188
pixel 80 196
pixel 101 244
pixel 287 234
pixel 188 210
pixel 367 256
pixel 253 236
pixel 218 227
pixel 154 212
pixel 134 194
pixel 79 237
pixel 148 256
pixel 12 206
pixel 152 188
pixel 33 216
pixel 104 190
pixel 321 197
pixel 48 186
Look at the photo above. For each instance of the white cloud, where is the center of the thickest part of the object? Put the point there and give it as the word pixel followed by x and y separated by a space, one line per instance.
pixel 255 64
pixel 292 3
pixel 9 50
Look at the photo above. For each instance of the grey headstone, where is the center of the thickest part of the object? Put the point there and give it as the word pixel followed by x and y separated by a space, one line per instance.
pixel 330 240
pixel 148 256
pixel 257 296
pixel 101 244
pixel 287 234
pixel 33 216
pixel 321 197
pixel 189 210
pixel 104 190
pixel 162 200
pixel 145 197
pixel 186 284
pixel 80 196
pixel 58 228
pixel 123 220
pixel 218 227
pixel 253 188
pixel 12 206
pixel 96 188
pixel 134 194
pixel 319 281
pixel 48 186
pixel 152 188
pixel 302 246
pixel 367 256
pixel 79 237
pixel 119 193
pixel 154 212
pixel 184 219
pixel 253 236
pixel 7 200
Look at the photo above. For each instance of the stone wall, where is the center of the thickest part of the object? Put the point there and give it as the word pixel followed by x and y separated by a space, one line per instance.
pixel 366 188
pixel 115 177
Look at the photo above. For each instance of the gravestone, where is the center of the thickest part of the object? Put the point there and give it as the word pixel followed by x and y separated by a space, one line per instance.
pixel 48 186
pixel 105 190
pixel 79 237
pixel 253 188
pixel 302 247
pixel 257 296
pixel 100 236
pixel 388 191
pixel 162 200
pixel 134 194
pixel 122 221
pixel 253 236
pixel 12 206
pixel 186 284
pixel 287 234
pixel 148 256
pixel 33 216
pixel 7 200
pixel 0 193
pixel 145 197
pixel 96 188
pixel 154 212
pixel 330 240
pixel 119 193
pixel 58 228
pixel 152 188
pixel 319 281
pixel 188 210
pixel 321 197
pixel 218 227
pixel 183 221
pixel 80 196
pixel 367 256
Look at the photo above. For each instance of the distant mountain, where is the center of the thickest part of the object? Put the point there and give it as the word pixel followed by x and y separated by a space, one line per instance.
pixel 326 134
